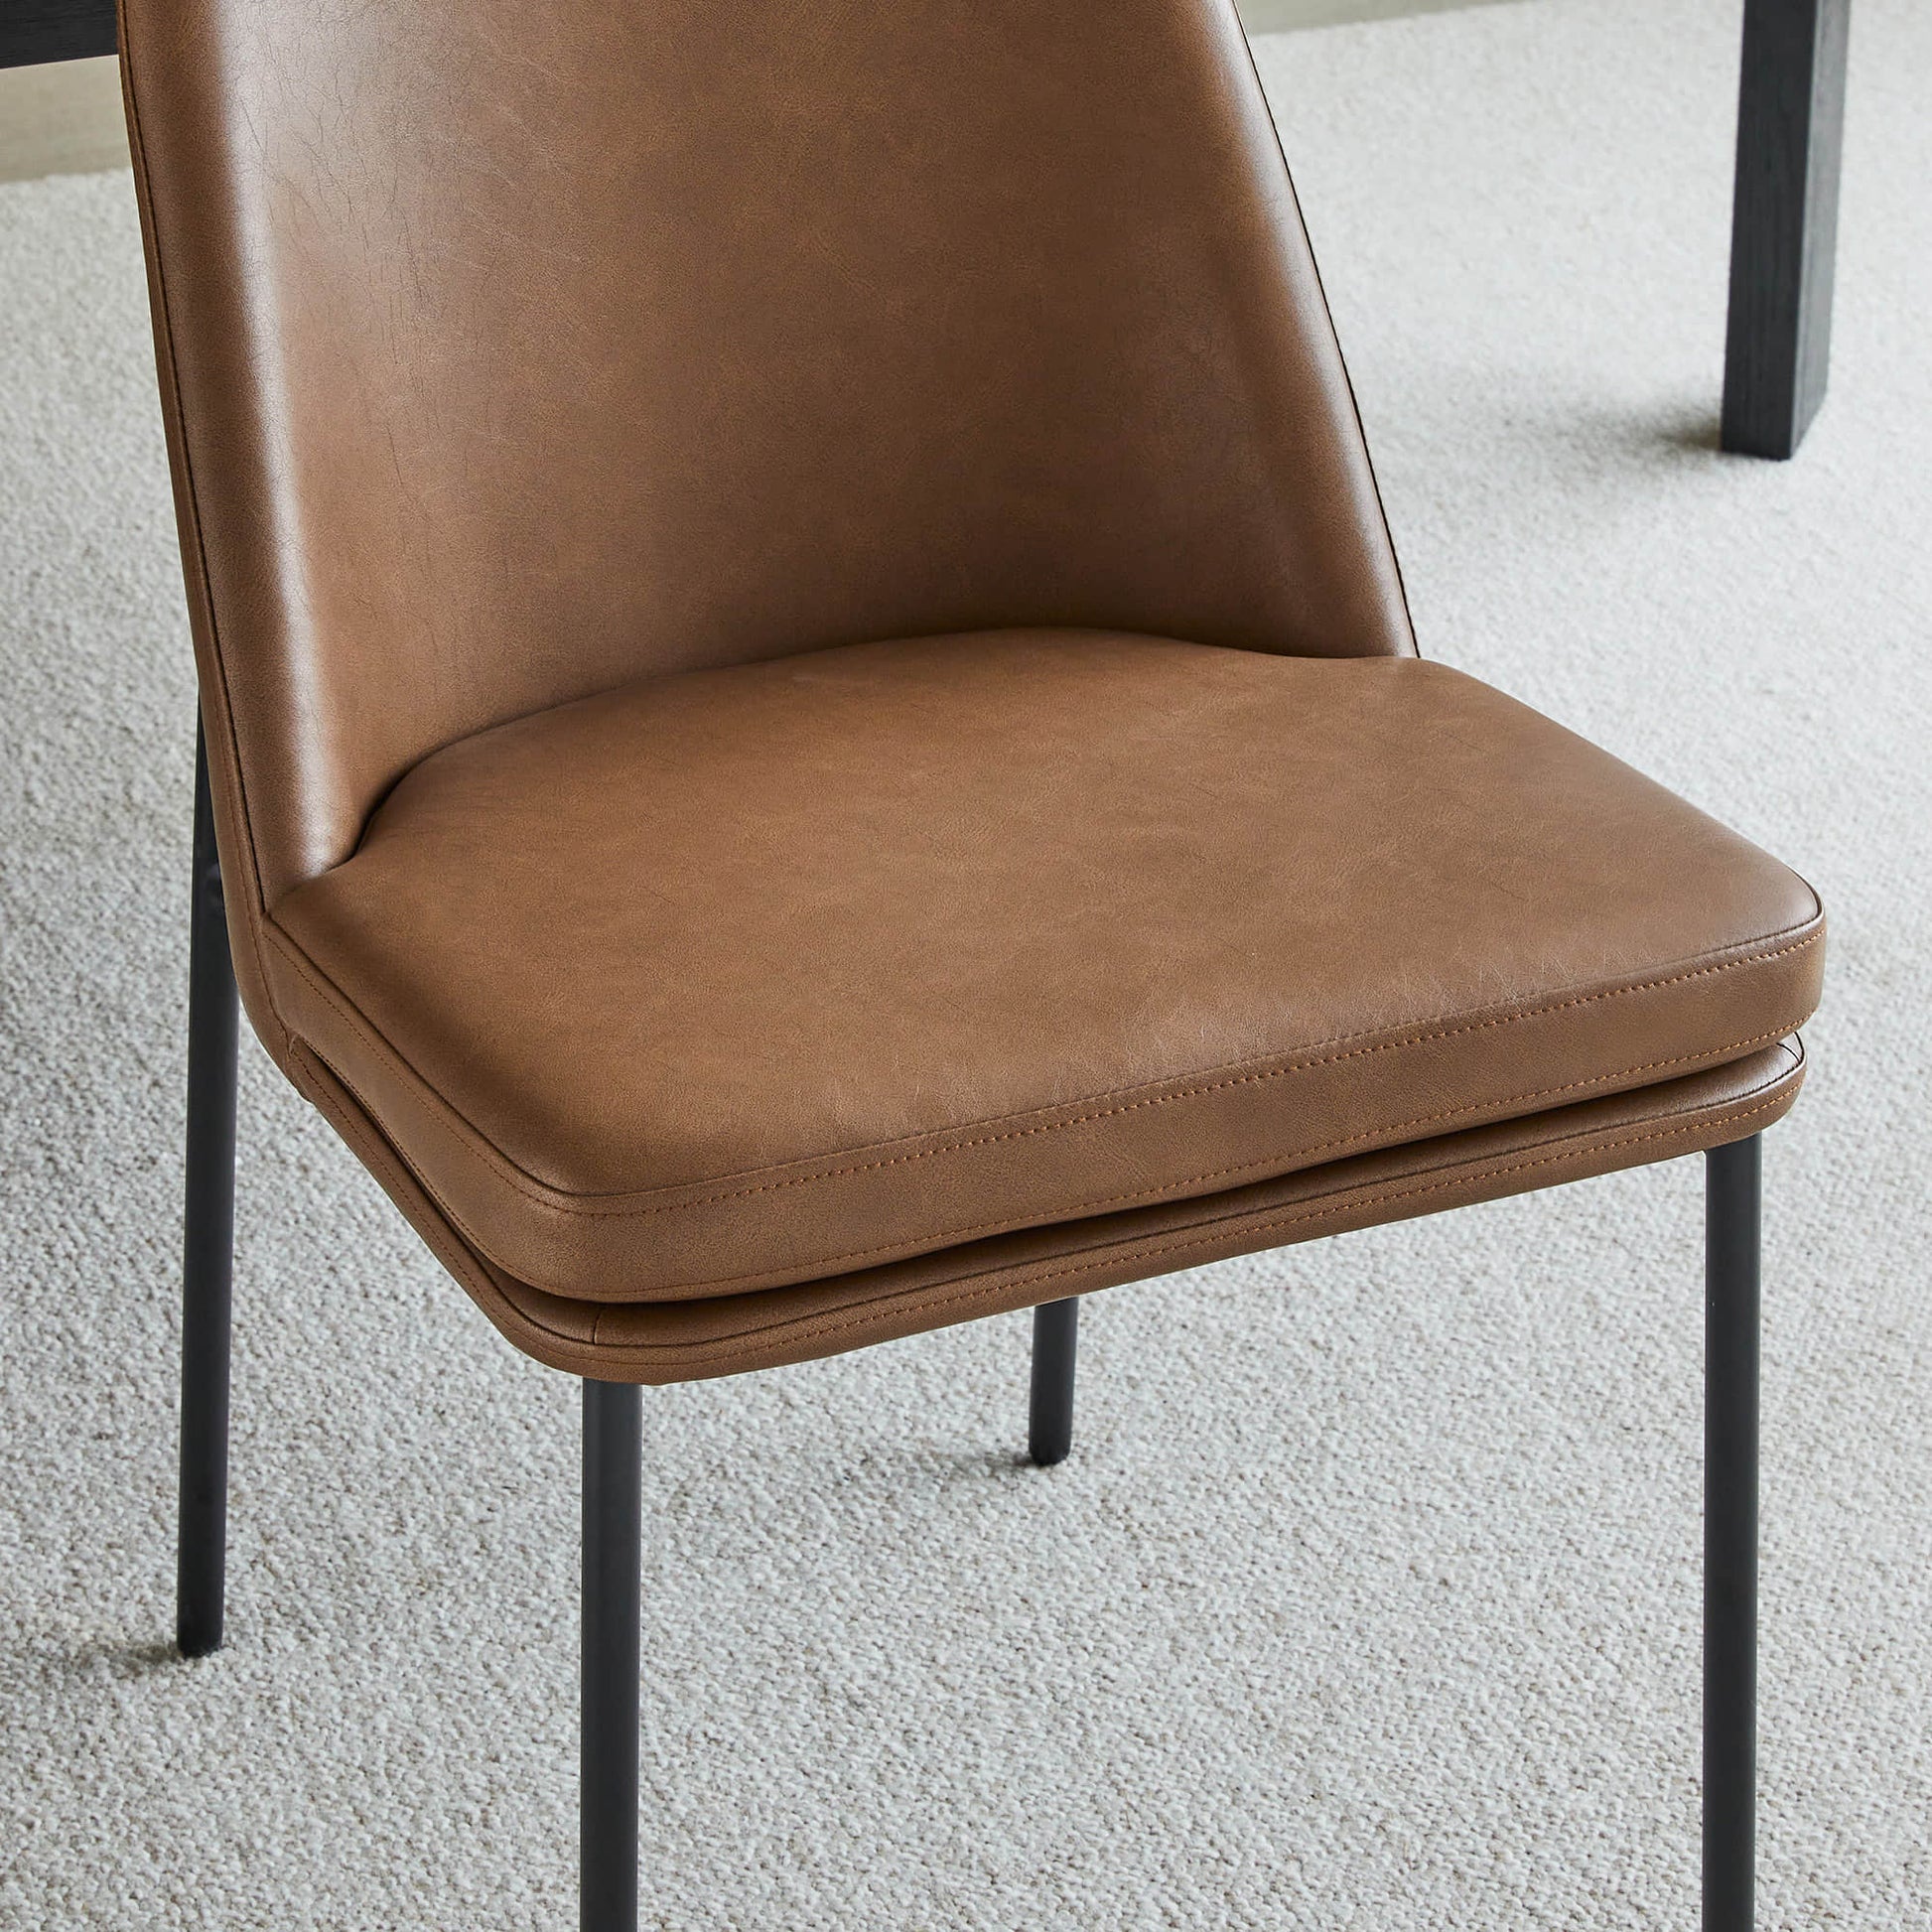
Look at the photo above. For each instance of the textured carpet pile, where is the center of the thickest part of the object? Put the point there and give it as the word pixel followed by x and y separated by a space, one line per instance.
pixel 1370 1597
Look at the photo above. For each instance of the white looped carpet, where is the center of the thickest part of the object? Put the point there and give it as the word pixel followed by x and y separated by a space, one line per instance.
pixel 1370 1597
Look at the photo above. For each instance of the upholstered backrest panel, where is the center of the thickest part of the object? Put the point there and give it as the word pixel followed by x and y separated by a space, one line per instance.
pixel 518 350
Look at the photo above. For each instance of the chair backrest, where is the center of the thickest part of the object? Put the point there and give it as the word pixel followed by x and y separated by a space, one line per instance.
pixel 517 349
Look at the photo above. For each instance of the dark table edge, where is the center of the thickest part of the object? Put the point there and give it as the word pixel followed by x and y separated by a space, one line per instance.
pixel 35 31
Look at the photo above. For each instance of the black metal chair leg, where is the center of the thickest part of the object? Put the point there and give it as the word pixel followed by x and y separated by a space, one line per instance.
pixel 208 1248
pixel 1050 1417
pixel 1732 1219
pixel 613 1573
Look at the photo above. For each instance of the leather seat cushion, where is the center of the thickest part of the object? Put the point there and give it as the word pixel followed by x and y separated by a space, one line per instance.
pixel 739 978
pixel 727 1334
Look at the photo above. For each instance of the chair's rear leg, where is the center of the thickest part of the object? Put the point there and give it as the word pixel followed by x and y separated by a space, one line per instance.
pixel 1732 1219
pixel 612 1582
pixel 208 1247
pixel 1050 1417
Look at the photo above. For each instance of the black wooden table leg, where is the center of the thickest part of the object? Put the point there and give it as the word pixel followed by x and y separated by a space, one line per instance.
pixel 1784 230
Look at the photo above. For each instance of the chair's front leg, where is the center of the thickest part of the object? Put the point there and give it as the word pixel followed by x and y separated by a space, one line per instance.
pixel 613 1578
pixel 1049 1411
pixel 208 1247
pixel 1732 1203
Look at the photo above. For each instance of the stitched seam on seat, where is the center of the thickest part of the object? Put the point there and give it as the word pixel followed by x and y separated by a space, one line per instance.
pixel 701 1290
pixel 626 1206
pixel 377 1152
pixel 1690 1118
pixel 420 1181
pixel 917 1243
pixel 1264 1168
pixel 1160 1250
pixel 1236 1070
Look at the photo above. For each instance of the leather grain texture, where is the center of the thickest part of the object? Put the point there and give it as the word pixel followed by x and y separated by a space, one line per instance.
pixel 737 978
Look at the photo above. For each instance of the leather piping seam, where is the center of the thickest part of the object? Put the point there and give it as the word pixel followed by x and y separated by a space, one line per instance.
pixel 1361 449
pixel 915 1246
pixel 1266 1168
pixel 256 913
pixel 1269 1166
pixel 381 1156
pixel 627 1207
pixel 378 1153
pixel 1159 1248
pixel 421 1182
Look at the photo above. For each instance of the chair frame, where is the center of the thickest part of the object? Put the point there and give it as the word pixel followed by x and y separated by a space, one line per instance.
pixel 611 1661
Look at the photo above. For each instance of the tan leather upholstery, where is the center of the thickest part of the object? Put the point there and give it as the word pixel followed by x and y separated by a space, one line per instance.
pixel 745 977
pixel 809 705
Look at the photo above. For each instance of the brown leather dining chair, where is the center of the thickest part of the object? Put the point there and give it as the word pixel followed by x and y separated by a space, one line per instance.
pixel 811 730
